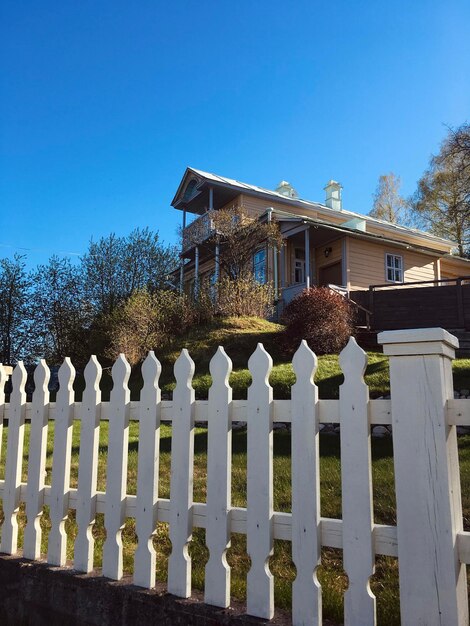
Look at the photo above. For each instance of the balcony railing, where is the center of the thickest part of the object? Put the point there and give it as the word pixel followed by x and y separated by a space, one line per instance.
pixel 198 231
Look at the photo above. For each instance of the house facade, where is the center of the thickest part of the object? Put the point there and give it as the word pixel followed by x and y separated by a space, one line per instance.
pixel 324 244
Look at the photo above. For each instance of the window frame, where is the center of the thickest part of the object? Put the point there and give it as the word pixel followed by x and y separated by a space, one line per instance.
pixel 393 268
pixel 260 266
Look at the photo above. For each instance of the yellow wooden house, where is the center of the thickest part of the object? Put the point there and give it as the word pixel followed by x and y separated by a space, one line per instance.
pixel 324 243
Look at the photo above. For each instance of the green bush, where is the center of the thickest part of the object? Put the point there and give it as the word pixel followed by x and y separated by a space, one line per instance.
pixel 321 316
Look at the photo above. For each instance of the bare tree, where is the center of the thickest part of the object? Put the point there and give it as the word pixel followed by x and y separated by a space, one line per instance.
pixel 442 200
pixel 14 293
pixel 388 204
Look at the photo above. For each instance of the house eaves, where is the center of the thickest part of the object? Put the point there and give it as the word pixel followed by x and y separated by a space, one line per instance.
pixel 358 234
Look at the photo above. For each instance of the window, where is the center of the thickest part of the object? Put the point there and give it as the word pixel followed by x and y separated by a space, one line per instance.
pixel 259 266
pixel 189 192
pixel 299 265
pixel 394 268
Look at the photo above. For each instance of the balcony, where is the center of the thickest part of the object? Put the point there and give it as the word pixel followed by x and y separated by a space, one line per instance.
pixel 198 231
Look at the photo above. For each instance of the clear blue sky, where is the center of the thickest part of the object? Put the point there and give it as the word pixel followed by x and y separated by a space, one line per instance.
pixel 103 104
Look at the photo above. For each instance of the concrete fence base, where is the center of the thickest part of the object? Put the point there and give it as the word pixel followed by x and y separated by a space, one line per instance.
pixel 35 594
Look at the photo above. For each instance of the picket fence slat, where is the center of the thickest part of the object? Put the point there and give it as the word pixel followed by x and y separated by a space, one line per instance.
pixel 429 508
pixel 57 546
pixel 260 536
pixel 14 460
pixel 219 483
pixel 356 488
pixel 116 470
pixel 148 473
pixel 306 539
pixel 88 467
pixel 3 380
pixel 181 479
pixel 37 463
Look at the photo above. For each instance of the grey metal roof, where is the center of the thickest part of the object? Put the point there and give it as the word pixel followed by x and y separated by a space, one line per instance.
pixel 308 204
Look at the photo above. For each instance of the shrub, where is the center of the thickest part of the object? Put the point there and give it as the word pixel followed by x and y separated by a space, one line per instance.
pixel 321 316
pixel 147 321
pixel 244 297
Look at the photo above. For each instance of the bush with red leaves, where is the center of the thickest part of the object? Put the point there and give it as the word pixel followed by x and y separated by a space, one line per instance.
pixel 321 316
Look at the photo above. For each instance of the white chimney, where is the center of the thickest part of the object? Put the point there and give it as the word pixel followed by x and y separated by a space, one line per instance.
pixel 286 189
pixel 333 195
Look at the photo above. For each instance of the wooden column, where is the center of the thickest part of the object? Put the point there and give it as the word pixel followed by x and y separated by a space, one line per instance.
pixel 433 581
pixel 307 257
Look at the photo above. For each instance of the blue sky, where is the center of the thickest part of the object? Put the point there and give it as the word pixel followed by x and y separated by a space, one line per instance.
pixel 103 105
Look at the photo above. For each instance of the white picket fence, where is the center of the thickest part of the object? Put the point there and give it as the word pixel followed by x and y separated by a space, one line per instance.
pixel 429 540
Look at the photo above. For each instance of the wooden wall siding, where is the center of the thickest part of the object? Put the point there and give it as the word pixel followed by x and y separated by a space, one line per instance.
pixel 447 306
pixel 453 268
pixel 367 264
pixel 256 206
pixel 433 590
pixel 335 255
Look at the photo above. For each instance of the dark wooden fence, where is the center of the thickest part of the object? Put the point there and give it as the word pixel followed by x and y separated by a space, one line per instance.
pixel 444 303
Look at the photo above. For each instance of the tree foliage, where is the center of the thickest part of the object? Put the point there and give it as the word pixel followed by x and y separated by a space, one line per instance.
pixel 115 267
pixel 60 313
pixel 14 292
pixel 388 204
pixel 442 201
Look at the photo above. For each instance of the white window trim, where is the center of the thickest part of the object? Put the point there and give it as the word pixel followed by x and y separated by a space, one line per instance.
pixel 387 267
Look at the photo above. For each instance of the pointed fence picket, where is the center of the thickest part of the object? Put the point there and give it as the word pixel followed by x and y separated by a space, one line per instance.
pixel 306 534
pixel 433 590
pixel 219 455
pixel 59 503
pixel 88 467
pixel 37 463
pixel 14 461
pixel 356 488
pixel 116 470
pixel 181 481
pixel 147 473
pixel 260 535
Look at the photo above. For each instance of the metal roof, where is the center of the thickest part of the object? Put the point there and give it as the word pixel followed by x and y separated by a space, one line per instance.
pixel 308 204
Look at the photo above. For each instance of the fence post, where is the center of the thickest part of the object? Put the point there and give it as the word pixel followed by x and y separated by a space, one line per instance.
pixel 433 586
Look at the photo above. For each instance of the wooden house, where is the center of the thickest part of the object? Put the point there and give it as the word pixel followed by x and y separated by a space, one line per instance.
pixel 324 243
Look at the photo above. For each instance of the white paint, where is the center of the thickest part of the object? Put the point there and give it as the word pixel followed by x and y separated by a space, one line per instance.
pixel 219 464
pixel 116 470
pixel 147 473
pixel 57 546
pixel 260 536
pixel 356 488
pixel 88 467
pixel 11 492
pixel 306 537
pixel 433 586
pixel 37 462
pixel 181 481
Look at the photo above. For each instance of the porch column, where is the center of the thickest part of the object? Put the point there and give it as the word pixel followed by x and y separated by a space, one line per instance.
pixel 283 267
pixel 275 272
pixel 196 272
pixel 211 198
pixel 182 252
pixel 307 257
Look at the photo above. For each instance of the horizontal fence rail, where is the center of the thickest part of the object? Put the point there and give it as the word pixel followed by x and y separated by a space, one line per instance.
pixel 433 590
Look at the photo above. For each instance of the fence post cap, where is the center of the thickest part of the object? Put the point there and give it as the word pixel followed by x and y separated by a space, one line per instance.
pixel 413 342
